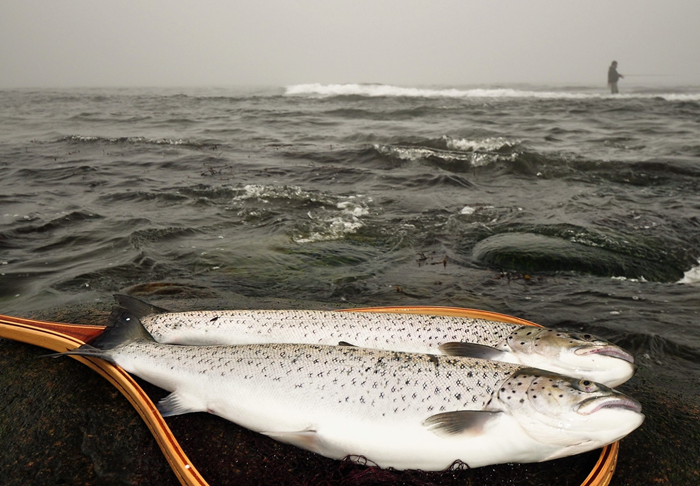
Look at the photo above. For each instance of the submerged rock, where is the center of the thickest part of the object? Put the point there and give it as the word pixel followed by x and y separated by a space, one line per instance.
pixel 533 253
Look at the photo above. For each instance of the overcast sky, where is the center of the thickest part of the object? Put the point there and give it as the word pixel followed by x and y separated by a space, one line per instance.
pixel 66 43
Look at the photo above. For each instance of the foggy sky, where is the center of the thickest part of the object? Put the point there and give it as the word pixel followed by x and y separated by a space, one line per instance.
pixel 85 43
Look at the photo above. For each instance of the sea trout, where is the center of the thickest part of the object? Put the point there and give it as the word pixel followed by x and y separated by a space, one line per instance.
pixel 578 355
pixel 400 410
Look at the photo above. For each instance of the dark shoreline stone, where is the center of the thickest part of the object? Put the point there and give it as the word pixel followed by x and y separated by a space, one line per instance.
pixel 535 253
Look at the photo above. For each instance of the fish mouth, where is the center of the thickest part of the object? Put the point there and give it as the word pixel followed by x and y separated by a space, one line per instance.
pixel 592 405
pixel 612 351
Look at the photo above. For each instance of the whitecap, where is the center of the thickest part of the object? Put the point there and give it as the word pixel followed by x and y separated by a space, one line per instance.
pixel 412 154
pixel 692 276
pixel 328 224
pixel 384 90
pixel 331 217
pixel 490 144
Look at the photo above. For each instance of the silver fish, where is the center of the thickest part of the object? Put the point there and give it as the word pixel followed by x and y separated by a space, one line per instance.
pixel 400 410
pixel 573 354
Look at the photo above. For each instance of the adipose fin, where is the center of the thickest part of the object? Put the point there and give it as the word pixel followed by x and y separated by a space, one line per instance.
pixel 138 307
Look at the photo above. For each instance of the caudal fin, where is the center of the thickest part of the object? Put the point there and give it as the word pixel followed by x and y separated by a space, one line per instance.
pixel 138 308
pixel 123 327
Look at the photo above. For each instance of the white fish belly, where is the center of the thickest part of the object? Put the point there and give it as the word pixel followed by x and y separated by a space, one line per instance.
pixel 413 446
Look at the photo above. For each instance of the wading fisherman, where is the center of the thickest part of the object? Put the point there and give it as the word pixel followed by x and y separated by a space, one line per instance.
pixel 613 77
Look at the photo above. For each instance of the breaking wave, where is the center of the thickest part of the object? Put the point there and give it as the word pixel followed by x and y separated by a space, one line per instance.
pixel 472 153
pixel 692 276
pixel 384 90
pixel 127 140
pixel 327 217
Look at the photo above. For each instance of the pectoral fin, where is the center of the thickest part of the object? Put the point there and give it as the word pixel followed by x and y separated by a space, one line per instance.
pixel 471 350
pixel 179 404
pixel 467 422
pixel 304 439
pixel 345 343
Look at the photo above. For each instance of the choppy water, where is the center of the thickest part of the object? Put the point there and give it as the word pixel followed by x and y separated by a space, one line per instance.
pixel 565 206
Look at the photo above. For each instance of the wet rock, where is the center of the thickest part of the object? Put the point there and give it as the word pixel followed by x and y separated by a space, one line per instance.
pixel 534 253
pixel 61 423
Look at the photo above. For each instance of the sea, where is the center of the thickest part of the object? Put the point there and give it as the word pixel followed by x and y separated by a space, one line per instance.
pixel 563 205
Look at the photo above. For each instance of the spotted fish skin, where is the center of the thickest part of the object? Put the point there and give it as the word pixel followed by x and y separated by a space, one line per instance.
pixel 401 410
pixel 366 383
pixel 409 332
pixel 579 355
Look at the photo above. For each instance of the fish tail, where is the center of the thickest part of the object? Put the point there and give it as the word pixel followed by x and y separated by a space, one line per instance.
pixel 84 350
pixel 122 328
pixel 138 308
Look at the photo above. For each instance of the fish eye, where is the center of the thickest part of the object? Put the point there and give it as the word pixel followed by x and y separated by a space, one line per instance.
pixel 587 386
pixel 585 337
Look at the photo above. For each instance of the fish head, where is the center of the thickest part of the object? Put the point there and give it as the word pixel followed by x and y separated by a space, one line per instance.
pixel 576 414
pixel 580 355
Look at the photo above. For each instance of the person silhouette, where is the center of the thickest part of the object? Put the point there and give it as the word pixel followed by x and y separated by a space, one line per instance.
pixel 613 77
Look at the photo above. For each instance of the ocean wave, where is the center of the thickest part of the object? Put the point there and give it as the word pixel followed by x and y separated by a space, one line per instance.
pixel 389 91
pixel 652 346
pixel 37 224
pixel 128 140
pixel 490 144
pixel 333 223
pixel 692 276
pixel 266 193
pixel 327 216
pixel 448 151
pixel 161 197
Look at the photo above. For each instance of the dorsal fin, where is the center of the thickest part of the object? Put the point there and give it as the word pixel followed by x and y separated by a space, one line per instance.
pixel 138 308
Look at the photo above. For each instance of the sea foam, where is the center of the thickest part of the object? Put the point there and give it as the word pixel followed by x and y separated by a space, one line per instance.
pixel 385 90
pixel 692 276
